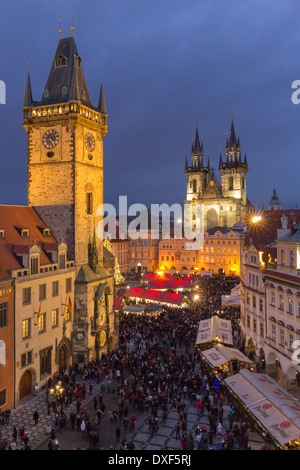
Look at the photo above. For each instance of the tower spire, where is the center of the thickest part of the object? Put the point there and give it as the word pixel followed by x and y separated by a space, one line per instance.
pixel 102 105
pixel 28 92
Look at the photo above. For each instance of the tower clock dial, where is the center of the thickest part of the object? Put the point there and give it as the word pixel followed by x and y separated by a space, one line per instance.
pixel 89 141
pixel 50 139
pixel 102 338
pixel 102 316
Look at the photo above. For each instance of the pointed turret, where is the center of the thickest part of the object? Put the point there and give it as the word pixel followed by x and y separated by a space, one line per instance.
pixel 186 165
pixel 232 138
pixel 245 161
pixel 28 101
pixel 220 161
pixel 208 166
pixel 102 105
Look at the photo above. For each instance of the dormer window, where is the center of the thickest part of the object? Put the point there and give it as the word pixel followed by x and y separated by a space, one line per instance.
pixel 78 61
pixel 2 234
pixel 60 61
pixel 83 93
pixel 25 233
pixel 64 90
pixel 46 93
pixel 46 232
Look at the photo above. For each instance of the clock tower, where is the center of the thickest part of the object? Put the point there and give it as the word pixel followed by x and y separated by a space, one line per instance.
pixel 65 186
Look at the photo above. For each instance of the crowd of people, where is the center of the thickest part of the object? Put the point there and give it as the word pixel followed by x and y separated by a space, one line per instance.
pixel 156 368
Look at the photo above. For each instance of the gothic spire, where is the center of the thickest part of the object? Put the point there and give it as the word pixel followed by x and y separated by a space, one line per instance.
pixel 28 92
pixel 102 105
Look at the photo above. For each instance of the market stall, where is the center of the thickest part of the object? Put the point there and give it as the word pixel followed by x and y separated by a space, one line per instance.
pixel 214 330
pixel 227 360
pixel 274 410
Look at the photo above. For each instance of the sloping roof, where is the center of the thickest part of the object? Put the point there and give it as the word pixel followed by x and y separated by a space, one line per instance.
pixel 70 76
pixel 12 219
pixel 170 284
pixel 276 409
pixel 292 236
pixel 155 295
pixel 86 274
pixel 214 328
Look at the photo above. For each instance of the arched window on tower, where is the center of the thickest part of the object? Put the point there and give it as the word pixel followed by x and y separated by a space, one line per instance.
pixel 60 61
pixel 243 183
pixel 194 186
pixel 231 182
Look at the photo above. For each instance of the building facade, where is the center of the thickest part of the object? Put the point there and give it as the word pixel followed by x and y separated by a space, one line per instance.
pixel 220 252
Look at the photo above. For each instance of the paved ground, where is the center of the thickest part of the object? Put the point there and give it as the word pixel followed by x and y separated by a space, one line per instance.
pixel 142 438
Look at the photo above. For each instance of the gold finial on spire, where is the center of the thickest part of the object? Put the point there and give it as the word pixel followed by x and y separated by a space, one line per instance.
pixel 60 30
pixel 72 26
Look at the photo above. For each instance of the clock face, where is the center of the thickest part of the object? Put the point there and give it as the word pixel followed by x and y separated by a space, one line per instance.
pixel 50 139
pixel 80 336
pixel 89 141
pixel 102 316
pixel 102 338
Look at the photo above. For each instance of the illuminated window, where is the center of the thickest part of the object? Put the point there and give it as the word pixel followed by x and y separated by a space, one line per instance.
pixel 54 318
pixel 26 324
pixel 41 322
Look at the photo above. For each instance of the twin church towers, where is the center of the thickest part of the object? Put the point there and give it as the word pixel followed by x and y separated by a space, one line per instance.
pixel 223 204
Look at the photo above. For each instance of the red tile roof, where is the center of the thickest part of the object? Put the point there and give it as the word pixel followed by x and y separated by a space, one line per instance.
pixel 155 295
pixel 13 218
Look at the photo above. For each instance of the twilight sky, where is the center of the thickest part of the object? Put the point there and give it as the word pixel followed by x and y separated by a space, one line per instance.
pixel 164 62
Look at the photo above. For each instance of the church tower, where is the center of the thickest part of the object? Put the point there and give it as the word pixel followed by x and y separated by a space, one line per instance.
pixel 65 186
pixel 233 170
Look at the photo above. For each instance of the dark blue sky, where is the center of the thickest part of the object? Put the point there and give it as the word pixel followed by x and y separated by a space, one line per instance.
pixel 164 62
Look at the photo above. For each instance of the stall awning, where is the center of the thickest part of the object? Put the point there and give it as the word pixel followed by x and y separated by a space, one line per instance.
pixel 229 300
pixel 156 296
pixel 214 329
pixel 220 354
pixel 277 410
pixel 170 284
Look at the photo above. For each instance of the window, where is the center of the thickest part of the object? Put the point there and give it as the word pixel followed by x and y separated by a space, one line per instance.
pixel 281 337
pixel 248 321
pixel 34 264
pixel 45 362
pixel 273 332
pixel 254 325
pixel 42 291
pixel 194 186
pixel 290 305
pixel 60 61
pixel 26 359
pixel 69 284
pixel 46 232
pixel 280 301
pixel 62 260
pixel 54 318
pixel 89 203
pixel 3 314
pixel 292 259
pixel 25 233
pixel 26 327
pixel 2 234
pixel 248 298
pixel 55 288
pixel 282 257
pixel 26 293
pixel 64 90
pixel 272 298
pixel 254 301
pixel 261 305
pixel 42 322
pixel 162 258
pixel 231 182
